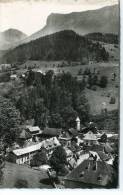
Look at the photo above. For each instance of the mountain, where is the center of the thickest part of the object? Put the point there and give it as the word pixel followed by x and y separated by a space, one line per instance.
pixel 10 37
pixel 104 20
pixel 63 45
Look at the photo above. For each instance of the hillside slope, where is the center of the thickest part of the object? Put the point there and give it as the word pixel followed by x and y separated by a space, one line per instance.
pixel 64 45
pixel 10 37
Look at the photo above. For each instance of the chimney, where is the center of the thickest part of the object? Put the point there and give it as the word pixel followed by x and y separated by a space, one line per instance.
pixel 78 124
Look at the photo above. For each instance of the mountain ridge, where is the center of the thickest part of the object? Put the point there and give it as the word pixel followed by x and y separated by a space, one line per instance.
pixel 81 22
pixel 63 45
pixel 10 37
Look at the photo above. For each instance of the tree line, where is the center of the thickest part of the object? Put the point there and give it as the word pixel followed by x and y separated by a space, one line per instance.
pixel 64 45
pixel 50 100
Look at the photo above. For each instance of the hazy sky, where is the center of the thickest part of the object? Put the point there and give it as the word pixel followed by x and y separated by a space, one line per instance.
pixel 30 16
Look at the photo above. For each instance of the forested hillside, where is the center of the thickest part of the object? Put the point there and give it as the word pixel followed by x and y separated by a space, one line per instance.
pixel 64 45
pixel 106 38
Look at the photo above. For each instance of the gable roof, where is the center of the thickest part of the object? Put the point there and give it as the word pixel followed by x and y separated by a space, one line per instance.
pixel 90 136
pixel 50 143
pixel 108 148
pixel 25 135
pixel 51 131
pixel 33 128
pixel 73 132
pixel 103 156
pixel 21 151
pixel 86 174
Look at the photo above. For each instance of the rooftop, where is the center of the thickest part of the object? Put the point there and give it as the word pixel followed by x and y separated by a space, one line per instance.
pixel 73 132
pixel 33 128
pixel 90 136
pixel 48 144
pixel 51 131
pixel 22 151
pixel 24 135
pixel 108 148
pixel 90 173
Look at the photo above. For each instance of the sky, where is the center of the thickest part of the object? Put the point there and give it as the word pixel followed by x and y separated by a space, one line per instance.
pixel 30 16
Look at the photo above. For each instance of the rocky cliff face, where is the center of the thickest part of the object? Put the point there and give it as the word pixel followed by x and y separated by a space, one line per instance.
pixel 104 20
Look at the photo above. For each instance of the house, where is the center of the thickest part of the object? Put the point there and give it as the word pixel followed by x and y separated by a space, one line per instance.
pixel 72 132
pixel 24 155
pixel 91 173
pixel 108 149
pixel 103 156
pixel 5 67
pixel 90 139
pixel 51 132
pixel 64 139
pixel 79 78
pixel 50 144
pixel 24 137
pixel 34 131
pixel 112 137
pixel 13 77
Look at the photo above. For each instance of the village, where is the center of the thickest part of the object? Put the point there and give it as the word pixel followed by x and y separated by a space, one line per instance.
pixel 59 97
pixel 77 156
pixel 89 156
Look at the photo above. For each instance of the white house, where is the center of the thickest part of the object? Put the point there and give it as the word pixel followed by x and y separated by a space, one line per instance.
pixel 34 131
pixel 90 139
pixel 24 155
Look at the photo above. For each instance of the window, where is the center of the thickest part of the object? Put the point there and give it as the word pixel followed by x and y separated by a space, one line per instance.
pixel 87 167
pixel 81 174
pixel 94 168
pixel 99 178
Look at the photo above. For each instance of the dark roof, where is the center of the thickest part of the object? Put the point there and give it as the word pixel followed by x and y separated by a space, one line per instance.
pixel 94 147
pixel 86 173
pixel 73 132
pixel 25 135
pixel 103 156
pixel 51 131
pixel 108 148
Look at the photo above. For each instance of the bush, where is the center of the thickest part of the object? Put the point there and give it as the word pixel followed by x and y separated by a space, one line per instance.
pixel 103 82
pixel 112 100
pixel 20 183
pixel 94 88
pixel 116 46
pixel 10 158
pixel 40 158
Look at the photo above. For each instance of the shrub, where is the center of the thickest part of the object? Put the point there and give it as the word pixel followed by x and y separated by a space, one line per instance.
pixel 103 81
pixel 20 183
pixel 94 88
pixel 112 100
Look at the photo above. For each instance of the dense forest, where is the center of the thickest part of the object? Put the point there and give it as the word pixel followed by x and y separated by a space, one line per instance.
pixel 64 45
pixel 106 38
pixel 50 100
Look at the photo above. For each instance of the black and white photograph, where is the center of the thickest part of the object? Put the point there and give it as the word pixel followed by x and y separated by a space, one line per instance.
pixel 59 94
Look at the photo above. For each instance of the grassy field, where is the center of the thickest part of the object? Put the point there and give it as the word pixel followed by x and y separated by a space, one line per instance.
pixel 13 172
pixel 95 98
